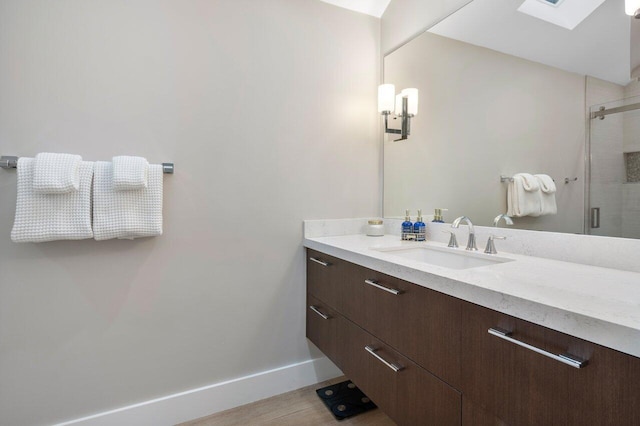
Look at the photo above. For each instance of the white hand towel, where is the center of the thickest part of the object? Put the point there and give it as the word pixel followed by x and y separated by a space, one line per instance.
pixel 56 173
pixel 126 214
pixel 49 217
pixel 529 182
pixel 547 185
pixel 130 173
pixel 547 194
pixel 523 196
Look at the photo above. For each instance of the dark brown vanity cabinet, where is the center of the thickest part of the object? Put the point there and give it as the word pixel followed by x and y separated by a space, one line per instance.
pixel 428 359
pixel 523 387
pixel 365 330
pixel 422 324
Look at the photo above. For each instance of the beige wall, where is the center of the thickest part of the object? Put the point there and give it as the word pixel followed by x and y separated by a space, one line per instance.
pixel 405 19
pixel 483 114
pixel 267 109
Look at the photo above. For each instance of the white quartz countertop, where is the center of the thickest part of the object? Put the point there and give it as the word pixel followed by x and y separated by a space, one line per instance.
pixel 598 304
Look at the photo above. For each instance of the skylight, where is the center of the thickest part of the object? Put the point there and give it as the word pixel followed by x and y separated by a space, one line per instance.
pixel 370 7
pixel 564 13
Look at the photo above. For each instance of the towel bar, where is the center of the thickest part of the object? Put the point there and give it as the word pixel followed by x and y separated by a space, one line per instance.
pixel 11 162
pixel 7 162
pixel 504 179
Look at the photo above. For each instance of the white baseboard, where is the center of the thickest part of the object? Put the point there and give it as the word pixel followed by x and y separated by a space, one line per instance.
pixel 214 398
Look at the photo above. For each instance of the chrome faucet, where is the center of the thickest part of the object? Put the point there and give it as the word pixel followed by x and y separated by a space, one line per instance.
pixel 491 247
pixel 507 220
pixel 453 241
pixel 471 243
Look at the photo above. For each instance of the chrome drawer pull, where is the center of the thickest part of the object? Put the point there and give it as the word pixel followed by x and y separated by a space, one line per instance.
pixel 313 259
pixel 381 287
pixel 314 309
pixel 392 366
pixel 568 359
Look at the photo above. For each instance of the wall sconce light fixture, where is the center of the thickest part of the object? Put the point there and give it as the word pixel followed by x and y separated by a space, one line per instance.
pixel 632 8
pixel 404 105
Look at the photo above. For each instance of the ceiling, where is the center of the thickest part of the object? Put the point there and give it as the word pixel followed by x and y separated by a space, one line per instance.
pixel 599 46
pixel 370 7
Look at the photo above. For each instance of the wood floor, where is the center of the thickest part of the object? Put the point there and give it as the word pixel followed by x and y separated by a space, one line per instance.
pixel 299 407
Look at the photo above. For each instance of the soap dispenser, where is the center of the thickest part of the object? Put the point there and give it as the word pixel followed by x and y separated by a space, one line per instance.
pixel 437 216
pixel 419 228
pixel 407 227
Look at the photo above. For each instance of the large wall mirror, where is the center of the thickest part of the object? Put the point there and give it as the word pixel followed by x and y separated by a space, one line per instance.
pixel 503 92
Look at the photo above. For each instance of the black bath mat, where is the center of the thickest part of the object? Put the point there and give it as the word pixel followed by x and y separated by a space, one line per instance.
pixel 345 400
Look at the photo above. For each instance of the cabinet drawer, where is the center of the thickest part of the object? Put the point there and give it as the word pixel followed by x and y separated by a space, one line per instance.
pixel 522 386
pixel 420 323
pixel 323 325
pixel 376 380
pixel 404 391
pixel 476 415
pixel 324 276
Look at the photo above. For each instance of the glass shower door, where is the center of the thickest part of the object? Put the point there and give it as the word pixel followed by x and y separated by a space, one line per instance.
pixel 614 169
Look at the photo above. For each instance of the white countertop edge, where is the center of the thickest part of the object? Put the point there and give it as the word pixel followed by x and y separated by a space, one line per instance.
pixel 606 333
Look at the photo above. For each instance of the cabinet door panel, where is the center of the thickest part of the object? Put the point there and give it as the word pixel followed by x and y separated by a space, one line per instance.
pixel 324 277
pixel 523 387
pixel 508 380
pixel 605 392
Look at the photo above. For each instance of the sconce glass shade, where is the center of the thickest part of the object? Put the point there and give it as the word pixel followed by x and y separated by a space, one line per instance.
pixel 398 108
pixel 386 94
pixel 631 7
pixel 412 100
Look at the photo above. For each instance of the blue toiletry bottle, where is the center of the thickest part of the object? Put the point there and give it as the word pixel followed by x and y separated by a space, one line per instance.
pixel 407 226
pixel 419 228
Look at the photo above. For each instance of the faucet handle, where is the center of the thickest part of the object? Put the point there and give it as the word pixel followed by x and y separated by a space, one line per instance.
pixel 453 241
pixel 491 247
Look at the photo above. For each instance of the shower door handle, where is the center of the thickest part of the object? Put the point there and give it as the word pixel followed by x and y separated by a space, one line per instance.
pixel 595 217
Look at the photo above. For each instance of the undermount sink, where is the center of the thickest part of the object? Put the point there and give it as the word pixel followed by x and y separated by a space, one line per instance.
pixel 445 257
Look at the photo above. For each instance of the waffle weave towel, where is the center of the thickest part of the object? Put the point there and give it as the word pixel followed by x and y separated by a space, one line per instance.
pixel 49 217
pixel 130 173
pixel 126 214
pixel 56 173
